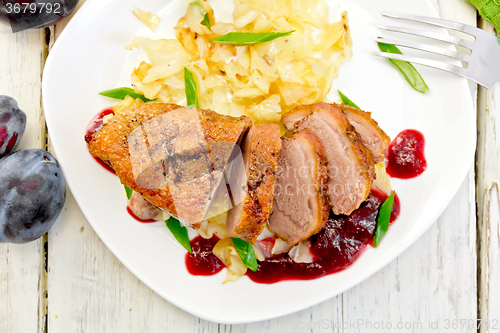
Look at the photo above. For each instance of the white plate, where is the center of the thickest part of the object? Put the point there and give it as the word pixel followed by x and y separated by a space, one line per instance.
pixel 89 57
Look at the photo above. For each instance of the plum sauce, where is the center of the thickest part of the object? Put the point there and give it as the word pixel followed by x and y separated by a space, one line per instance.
pixel 335 248
pixel 95 125
pixel 202 261
pixel 405 155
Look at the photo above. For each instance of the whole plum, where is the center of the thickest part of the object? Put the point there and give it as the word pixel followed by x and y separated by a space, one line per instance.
pixel 32 194
pixel 34 14
pixel 12 125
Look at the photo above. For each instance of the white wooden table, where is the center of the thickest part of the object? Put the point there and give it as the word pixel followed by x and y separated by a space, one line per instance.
pixel 68 281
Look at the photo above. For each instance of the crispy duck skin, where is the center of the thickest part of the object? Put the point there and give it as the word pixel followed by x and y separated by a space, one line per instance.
pixel 260 150
pixel 301 206
pixel 350 162
pixel 163 151
pixel 373 137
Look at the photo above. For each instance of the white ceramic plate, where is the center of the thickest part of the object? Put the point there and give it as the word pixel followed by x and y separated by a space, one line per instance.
pixel 89 57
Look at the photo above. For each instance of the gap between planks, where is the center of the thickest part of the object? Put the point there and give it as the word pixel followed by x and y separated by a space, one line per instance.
pixel 488 205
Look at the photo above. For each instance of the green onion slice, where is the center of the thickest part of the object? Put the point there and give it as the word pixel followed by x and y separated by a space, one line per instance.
pixel 206 22
pixel 409 72
pixel 246 253
pixel 190 83
pixel 347 101
pixel 249 38
pixel 129 191
pixel 180 233
pixel 121 93
pixel 384 217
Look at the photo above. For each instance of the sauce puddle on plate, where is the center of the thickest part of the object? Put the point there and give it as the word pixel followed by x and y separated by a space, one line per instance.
pixel 335 248
pixel 203 261
pixel 138 219
pixel 405 155
pixel 95 125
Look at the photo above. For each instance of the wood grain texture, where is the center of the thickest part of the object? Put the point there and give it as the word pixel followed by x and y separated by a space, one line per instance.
pixel 22 284
pixel 488 201
pixel 89 290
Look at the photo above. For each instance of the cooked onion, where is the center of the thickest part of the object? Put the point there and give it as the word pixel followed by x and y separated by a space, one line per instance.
pixel 382 181
pixel 150 20
pixel 262 81
pixel 225 251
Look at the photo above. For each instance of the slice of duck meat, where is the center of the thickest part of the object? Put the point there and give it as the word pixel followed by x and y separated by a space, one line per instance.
pixel 143 209
pixel 301 205
pixel 373 137
pixel 164 152
pixel 350 162
pixel 260 150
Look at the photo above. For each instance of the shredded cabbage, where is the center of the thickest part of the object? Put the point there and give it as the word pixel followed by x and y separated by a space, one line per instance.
pixel 262 81
pixel 214 226
pixel 300 253
pixel 126 103
pixel 382 181
pixel 150 20
pixel 225 251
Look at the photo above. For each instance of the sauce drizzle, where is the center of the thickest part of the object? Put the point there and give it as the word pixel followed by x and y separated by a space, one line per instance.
pixel 138 219
pixel 95 125
pixel 203 261
pixel 335 248
pixel 405 155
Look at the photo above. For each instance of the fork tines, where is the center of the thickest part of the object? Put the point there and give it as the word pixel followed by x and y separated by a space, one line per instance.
pixel 479 66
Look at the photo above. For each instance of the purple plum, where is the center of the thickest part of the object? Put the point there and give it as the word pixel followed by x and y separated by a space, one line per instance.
pixel 12 125
pixel 32 194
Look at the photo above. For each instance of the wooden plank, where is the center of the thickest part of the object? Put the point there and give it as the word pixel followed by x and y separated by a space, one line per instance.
pixel 488 202
pixel 22 282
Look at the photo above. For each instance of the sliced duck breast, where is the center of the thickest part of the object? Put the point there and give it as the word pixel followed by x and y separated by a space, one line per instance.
pixel 373 137
pixel 350 162
pixel 301 205
pixel 260 150
pixel 173 156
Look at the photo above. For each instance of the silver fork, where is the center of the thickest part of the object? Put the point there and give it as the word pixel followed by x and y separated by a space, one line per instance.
pixel 483 63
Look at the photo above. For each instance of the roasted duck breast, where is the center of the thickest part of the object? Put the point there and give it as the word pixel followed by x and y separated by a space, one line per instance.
pixel 250 214
pixel 301 206
pixel 173 156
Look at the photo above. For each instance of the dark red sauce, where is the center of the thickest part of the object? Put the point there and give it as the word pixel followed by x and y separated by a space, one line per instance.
pixel 335 248
pixel 138 219
pixel 405 155
pixel 95 125
pixel 202 261
pixel 104 165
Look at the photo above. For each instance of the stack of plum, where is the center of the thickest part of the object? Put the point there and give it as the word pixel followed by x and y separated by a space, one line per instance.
pixel 32 186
